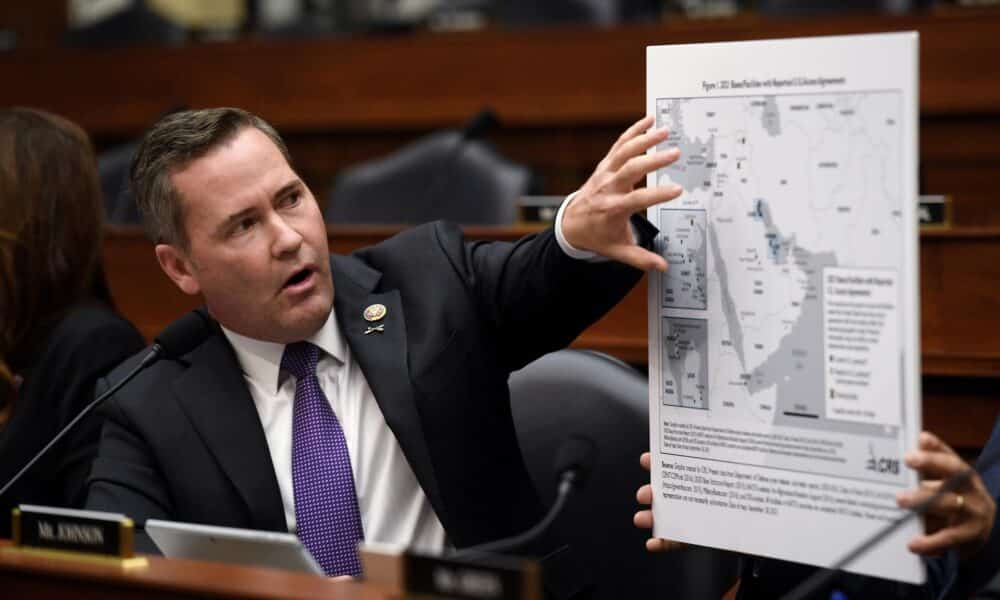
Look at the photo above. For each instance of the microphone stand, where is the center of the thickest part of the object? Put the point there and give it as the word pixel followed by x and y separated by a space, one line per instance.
pixel 147 360
pixel 178 338
pixel 566 486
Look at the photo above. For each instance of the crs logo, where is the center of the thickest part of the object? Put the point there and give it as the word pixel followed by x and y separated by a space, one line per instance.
pixel 881 464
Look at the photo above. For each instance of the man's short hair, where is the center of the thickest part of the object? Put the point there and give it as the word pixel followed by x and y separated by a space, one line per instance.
pixel 173 143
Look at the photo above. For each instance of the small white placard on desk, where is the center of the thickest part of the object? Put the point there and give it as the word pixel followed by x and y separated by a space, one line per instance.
pixel 784 337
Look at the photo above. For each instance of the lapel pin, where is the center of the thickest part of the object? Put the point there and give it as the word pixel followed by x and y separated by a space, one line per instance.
pixel 375 312
pixel 380 328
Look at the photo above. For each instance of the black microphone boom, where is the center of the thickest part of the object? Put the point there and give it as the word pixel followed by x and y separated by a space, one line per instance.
pixel 179 338
pixel 574 461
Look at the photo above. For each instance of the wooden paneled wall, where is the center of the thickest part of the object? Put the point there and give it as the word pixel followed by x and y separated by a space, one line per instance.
pixel 562 96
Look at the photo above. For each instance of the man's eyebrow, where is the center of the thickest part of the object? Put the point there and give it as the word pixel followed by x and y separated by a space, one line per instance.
pixel 288 188
pixel 234 218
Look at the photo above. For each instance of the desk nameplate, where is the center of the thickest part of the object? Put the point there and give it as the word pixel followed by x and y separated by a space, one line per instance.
pixel 74 535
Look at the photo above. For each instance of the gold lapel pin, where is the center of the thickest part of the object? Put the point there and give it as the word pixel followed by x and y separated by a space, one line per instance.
pixel 375 312
pixel 372 314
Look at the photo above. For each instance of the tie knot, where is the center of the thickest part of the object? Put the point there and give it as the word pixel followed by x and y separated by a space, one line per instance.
pixel 300 359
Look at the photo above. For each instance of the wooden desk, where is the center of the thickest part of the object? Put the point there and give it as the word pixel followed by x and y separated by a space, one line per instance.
pixel 41 578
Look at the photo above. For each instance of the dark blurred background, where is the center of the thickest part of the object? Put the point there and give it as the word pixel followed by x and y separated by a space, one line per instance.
pixel 353 83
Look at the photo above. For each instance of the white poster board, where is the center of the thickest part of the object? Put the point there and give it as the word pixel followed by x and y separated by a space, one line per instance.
pixel 784 337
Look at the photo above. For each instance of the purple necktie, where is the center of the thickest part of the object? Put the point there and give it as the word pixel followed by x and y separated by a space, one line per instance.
pixel 326 505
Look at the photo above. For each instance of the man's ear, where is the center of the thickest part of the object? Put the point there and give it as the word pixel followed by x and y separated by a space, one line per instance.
pixel 178 267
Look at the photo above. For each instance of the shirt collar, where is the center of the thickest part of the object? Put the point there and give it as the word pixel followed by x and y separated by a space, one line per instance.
pixel 261 360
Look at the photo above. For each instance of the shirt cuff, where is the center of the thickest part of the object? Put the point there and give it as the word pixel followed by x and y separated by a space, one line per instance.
pixel 568 248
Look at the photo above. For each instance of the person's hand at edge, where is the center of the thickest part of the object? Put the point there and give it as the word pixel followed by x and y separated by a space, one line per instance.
pixel 597 219
pixel 644 518
pixel 959 520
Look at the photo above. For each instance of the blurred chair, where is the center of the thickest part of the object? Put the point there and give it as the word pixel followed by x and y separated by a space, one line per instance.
pixel 556 12
pixel 445 175
pixel 132 24
pixel 113 168
pixel 529 13
pixel 579 392
pixel 819 7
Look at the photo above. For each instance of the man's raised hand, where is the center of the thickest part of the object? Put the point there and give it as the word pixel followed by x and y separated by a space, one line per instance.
pixel 597 219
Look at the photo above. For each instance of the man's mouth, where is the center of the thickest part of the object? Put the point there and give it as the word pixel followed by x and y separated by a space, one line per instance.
pixel 299 279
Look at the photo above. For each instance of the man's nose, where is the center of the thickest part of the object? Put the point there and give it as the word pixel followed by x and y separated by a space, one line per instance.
pixel 286 238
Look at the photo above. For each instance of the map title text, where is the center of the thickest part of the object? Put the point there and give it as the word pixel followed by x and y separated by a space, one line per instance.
pixel 772 83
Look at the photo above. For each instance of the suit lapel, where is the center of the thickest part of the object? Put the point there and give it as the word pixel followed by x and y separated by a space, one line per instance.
pixel 383 358
pixel 214 395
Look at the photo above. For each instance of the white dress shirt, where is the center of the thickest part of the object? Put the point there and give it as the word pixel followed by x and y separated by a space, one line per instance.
pixel 394 508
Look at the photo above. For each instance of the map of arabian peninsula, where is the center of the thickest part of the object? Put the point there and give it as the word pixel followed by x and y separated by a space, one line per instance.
pixel 777 188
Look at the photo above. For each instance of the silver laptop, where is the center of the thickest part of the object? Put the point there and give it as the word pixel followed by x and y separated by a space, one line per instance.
pixel 228 544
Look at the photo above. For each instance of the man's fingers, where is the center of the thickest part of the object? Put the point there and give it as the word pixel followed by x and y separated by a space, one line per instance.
pixel 948 505
pixel 645 494
pixel 929 441
pixel 642 198
pixel 637 257
pixel 645 460
pixel 923 491
pixel 942 540
pixel 636 146
pixel 934 458
pixel 935 464
pixel 638 167
pixel 643 519
pixel 662 545
pixel 633 130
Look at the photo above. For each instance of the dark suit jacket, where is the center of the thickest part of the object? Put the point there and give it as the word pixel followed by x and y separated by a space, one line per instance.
pixel 184 440
pixel 59 379
pixel 947 577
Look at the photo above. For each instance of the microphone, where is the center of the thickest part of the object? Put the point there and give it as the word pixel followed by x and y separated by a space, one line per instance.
pixel 479 124
pixel 184 334
pixel 822 578
pixel 179 338
pixel 575 460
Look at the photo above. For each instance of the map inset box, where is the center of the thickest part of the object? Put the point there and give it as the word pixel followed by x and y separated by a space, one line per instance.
pixel 685 370
pixel 684 245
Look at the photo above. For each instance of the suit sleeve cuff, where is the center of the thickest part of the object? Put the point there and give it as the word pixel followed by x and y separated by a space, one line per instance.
pixel 577 253
pixel 568 248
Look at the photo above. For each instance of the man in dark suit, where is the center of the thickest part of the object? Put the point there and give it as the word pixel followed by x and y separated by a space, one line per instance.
pixel 398 426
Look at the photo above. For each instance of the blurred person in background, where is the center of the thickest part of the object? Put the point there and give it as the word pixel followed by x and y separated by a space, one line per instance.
pixel 58 329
